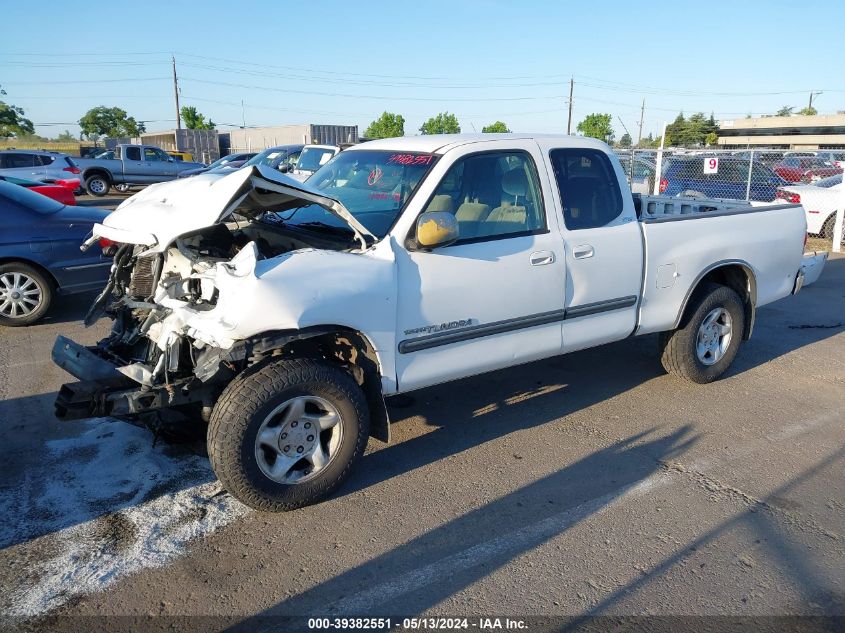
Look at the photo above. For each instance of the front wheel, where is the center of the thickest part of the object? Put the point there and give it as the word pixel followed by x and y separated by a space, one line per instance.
pixel 288 433
pixel 708 340
pixel 25 294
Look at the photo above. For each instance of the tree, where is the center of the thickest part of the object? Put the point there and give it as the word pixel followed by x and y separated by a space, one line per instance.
pixel 103 121
pixel 597 126
pixel 625 141
pixel 194 120
pixel 808 111
pixel 495 128
pixel 443 123
pixel 711 139
pixel 65 137
pixel 388 125
pixel 12 120
pixel 785 111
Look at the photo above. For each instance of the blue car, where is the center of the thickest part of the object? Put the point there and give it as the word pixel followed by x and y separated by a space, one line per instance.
pixel 40 256
pixel 684 176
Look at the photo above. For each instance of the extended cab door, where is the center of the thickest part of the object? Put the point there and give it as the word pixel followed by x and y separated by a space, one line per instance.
pixel 603 243
pixel 132 163
pixel 495 297
pixel 158 165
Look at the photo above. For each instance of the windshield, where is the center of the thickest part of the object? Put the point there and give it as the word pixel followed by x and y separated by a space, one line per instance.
pixel 373 185
pixel 312 158
pixel 269 157
pixel 220 161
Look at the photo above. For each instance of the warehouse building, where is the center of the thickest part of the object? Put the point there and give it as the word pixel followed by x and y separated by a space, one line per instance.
pixel 204 145
pixel 255 139
pixel 824 131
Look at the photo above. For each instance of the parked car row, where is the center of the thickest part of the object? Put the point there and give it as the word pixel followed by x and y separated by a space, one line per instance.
pixel 820 200
pixel 40 254
pixel 811 181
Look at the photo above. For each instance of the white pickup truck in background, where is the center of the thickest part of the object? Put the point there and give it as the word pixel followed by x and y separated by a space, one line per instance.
pixel 282 313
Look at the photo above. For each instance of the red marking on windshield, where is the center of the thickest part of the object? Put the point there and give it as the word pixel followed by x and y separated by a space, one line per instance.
pixel 410 159
pixel 375 176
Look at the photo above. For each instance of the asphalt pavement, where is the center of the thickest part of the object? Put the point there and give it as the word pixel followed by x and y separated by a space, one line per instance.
pixel 591 483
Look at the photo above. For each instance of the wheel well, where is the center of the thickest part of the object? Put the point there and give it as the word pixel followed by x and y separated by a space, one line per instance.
pixel 737 276
pixel 47 274
pixel 339 345
pixel 96 171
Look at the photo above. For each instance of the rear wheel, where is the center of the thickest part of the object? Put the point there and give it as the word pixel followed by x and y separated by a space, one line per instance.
pixel 25 294
pixel 287 434
pixel 97 185
pixel 706 344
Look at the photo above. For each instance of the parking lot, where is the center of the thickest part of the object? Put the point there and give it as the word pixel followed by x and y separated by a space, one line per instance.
pixel 586 484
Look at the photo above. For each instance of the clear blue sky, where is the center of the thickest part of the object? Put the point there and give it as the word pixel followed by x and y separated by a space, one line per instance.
pixel 345 62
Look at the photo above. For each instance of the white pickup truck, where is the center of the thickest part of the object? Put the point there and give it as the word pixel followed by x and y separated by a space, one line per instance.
pixel 282 313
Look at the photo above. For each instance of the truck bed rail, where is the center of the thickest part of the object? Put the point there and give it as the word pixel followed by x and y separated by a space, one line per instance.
pixel 665 208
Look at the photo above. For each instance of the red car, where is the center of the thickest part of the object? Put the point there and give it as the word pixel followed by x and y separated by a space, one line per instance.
pixel 803 169
pixel 62 191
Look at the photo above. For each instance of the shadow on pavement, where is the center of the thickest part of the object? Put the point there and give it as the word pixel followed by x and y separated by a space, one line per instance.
pixel 428 569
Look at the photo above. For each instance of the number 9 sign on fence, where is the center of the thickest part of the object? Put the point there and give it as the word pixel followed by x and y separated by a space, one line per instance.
pixel 711 165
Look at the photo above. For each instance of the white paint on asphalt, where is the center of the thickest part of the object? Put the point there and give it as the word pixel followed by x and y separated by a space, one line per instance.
pixel 105 504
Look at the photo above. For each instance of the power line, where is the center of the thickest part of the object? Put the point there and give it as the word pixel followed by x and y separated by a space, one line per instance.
pixel 376 97
pixel 80 81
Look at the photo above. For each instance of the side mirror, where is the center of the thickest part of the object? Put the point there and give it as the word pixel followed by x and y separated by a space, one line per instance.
pixel 436 229
pixel 284 168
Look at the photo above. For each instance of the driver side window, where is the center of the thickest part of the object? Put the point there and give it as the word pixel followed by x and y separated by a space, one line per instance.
pixel 492 195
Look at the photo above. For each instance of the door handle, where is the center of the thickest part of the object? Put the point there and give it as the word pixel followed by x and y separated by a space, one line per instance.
pixel 541 258
pixel 583 251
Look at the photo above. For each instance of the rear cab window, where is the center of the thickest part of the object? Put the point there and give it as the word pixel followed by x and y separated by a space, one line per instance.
pixel 588 187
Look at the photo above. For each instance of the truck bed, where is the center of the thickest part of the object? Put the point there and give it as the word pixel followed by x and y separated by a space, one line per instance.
pixel 766 241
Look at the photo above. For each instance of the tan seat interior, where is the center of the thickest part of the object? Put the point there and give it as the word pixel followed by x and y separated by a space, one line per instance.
pixel 510 215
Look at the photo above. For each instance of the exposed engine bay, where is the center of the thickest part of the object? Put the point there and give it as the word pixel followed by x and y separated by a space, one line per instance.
pixel 152 295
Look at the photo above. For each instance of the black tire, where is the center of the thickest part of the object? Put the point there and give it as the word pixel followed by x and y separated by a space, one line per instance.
pixel 678 348
pixel 97 185
pixel 245 404
pixel 827 228
pixel 39 279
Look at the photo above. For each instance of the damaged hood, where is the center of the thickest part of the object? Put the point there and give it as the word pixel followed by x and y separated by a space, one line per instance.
pixel 160 213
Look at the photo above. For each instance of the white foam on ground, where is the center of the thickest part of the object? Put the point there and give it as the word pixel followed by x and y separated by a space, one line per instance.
pixel 103 505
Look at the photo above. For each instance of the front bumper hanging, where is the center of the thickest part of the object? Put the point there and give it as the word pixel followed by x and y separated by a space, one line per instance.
pixel 103 391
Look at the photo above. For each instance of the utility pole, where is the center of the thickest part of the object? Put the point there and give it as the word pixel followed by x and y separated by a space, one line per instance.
pixel 813 94
pixel 569 121
pixel 176 94
pixel 243 115
pixel 642 114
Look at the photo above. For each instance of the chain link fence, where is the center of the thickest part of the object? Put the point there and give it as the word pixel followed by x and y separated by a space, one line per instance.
pixel 812 178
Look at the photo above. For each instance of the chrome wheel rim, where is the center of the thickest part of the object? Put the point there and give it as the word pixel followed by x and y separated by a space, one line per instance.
pixel 714 336
pixel 298 439
pixel 20 295
pixel 97 186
